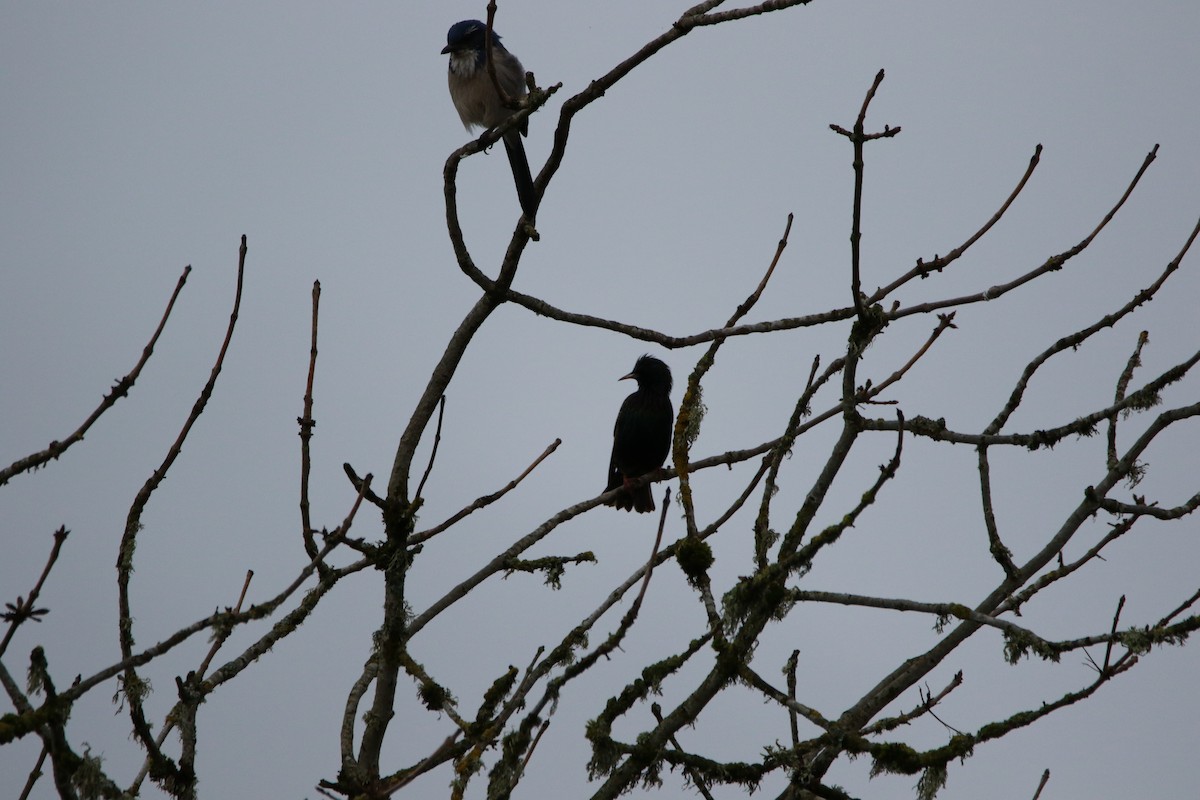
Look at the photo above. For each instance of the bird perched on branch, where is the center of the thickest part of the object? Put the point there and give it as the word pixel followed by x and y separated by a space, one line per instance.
pixel 478 103
pixel 642 435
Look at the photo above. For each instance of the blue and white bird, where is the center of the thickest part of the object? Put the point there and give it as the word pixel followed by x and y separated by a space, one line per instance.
pixel 478 103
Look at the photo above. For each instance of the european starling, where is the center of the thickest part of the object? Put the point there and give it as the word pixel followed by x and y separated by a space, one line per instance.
pixel 642 435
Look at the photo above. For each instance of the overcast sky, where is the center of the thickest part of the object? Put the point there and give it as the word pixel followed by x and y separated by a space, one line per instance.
pixel 137 138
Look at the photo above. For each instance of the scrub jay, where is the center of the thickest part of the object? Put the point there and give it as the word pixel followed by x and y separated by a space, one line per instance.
pixel 478 103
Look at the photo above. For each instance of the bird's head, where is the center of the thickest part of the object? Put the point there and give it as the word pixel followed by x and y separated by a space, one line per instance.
pixel 651 374
pixel 468 36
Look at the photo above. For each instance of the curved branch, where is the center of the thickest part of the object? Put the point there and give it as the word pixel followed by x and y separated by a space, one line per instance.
pixel 133 525
pixel 1051 264
pixel 121 389
pixel 938 263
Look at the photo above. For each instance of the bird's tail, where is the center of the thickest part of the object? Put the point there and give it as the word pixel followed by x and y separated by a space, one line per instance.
pixel 526 193
pixel 639 499
pixel 643 499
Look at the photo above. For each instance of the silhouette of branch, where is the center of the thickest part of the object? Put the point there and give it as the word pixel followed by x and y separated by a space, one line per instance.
pixel 791 555
pixel 999 551
pixel 482 502
pixel 1144 510
pixel 178 713
pixel 858 137
pixel 1135 361
pixel 499 562
pixel 789 671
pixel 221 618
pixel 763 537
pixel 132 685
pixel 307 423
pixel 944 321
pixel 1074 340
pixel 947 610
pixel 121 389
pixel 691 407
pixel 1046 437
pixel 691 774
pixel 1064 570
pixel 928 702
pixel 938 263
pixel 357 482
pixel 516 710
pixel 701 15
pixel 34 774
pixel 1051 264
pixel 437 439
pixel 758 682
pixel 23 610
pixel 1042 784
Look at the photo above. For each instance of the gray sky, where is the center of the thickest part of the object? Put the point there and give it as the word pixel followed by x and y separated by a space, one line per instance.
pixel 137 138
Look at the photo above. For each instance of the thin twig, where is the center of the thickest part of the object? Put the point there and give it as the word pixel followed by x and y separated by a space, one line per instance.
pixel 791 554
pixel 484 501
pixel 439 755
pixel 437 439
pixel 1041 784
pixel 762 528
pixel 1112 633
pixel 34 774
pixel 357 482
pixel 133 525
pixel 121 389
pixel 1051 264
pixel 750 301
pixel 927 703
pixel 691 774
pixel 938 263
pixel 662 521
pixel 299 614
pixel 953 610
pixel 944 321
pixel 529 753
pixel 24 610
pixel 307 423
pixel 999 551
pixel 350 711
pixel 1135 361
pixel 857 138
pixel 488 38
pixel 691 408
pixel 763 685
pixel 1063 569
pixel 1182 607
pixel 222 634
pixel 255 612
pixel 789 672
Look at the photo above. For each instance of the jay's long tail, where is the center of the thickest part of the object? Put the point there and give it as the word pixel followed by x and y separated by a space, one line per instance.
pixel 526 193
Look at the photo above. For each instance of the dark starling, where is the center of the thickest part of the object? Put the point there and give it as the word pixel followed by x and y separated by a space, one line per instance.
pixel 642 435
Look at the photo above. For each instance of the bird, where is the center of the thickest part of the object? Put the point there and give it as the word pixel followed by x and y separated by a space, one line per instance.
pixel 478 103
pixel 641 435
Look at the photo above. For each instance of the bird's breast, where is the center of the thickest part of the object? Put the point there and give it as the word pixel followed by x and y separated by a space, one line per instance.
pixel 464 65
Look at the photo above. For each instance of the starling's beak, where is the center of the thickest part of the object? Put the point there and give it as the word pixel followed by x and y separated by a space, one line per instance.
pixel 627 377
pixel 445 49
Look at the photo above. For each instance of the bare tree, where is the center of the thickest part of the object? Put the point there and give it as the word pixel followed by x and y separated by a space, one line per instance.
pixel 500 734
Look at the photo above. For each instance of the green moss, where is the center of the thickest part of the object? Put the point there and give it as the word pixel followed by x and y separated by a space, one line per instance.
pixel 433 696
pixel 694 557
pixel 933 780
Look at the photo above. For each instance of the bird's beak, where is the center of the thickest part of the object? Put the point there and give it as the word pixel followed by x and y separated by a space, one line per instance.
pixel 627 377
pixel 445 49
